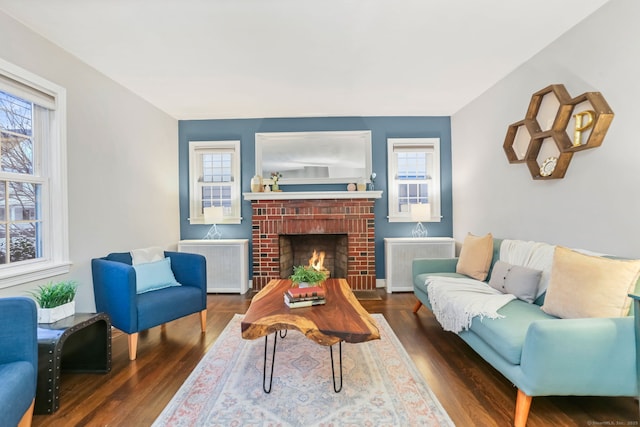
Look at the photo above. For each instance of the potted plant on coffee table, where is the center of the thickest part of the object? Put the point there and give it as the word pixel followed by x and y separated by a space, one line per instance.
pixel 55 301
pixel 304 276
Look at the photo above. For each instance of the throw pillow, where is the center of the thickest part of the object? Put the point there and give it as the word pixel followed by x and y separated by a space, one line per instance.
pixel 475 256
pixel 145 255
pixel 589 286
pixel 520 281
pixel 156 275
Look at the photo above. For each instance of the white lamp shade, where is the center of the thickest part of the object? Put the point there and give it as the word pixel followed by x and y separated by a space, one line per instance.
pixel 420 212
pixel 213 215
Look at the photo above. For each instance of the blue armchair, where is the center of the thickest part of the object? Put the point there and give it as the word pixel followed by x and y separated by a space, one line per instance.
pixel 18 360
pixel 114 285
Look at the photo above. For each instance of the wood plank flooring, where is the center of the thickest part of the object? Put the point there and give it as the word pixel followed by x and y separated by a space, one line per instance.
pixel 470 390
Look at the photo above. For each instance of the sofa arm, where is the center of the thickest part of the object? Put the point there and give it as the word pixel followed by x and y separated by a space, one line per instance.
pixel 190 270
pixel 114 288
pixel 431 265
pixel 593 356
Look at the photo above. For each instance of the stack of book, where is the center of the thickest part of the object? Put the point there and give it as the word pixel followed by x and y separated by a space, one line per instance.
pixel 305 297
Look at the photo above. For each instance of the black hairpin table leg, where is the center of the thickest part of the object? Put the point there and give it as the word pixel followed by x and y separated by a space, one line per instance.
pixel 333 372
pixel 273 358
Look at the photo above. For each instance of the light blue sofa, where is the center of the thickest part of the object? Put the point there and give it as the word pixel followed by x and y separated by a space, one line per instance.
pixel 18 360
pixel 543 355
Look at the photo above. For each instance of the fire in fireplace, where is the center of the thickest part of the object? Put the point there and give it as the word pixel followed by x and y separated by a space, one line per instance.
pixel 325 252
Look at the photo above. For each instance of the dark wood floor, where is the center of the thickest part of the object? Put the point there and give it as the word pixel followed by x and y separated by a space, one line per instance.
pixel 470 390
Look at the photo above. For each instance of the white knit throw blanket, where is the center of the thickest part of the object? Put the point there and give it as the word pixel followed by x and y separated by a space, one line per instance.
pixel 456 301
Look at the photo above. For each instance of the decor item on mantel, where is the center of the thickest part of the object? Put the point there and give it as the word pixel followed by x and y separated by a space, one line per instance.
pixel 554 128
pixel 55 301
pixel 275 176
pixel 256 184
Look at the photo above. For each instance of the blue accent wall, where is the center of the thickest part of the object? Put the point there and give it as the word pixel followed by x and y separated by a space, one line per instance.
pixel 381 128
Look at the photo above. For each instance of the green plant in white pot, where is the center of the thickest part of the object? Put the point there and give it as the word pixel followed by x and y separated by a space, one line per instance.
pixel 56 301
pixel 304 276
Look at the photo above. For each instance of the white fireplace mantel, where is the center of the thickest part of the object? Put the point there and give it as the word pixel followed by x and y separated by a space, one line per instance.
pixel 312 195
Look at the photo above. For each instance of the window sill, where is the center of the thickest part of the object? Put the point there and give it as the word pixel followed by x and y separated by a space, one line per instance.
pixel 404 219
pixel 13 276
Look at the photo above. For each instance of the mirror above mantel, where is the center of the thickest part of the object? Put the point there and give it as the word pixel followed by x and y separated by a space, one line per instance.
pixel 326 157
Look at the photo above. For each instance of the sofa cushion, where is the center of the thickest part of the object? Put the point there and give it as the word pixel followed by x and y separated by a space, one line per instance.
pixel 589 286
pixel 475 256
pixel 506 335
pixel 156 275
pixel 517 280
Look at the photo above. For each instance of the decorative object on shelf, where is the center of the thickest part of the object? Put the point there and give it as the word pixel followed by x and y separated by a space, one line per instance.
pixel 275 176
pixel 420 212
pixel 55 301
pixel 351 187
pixel 256 184
pixel 267 188
pixel 305 276
pixel 548 166
pixel 554 128
pixel 213 215
pixel 372 186
pixel 362 185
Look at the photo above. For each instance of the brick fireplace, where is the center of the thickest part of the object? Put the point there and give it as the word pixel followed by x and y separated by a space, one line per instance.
pixel 284 215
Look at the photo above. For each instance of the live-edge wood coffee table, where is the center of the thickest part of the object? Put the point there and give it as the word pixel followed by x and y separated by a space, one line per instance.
pixel 342 318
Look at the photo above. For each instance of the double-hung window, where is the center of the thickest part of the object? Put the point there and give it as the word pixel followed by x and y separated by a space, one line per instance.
pixel 33 194
pixel 214 173
pixel 414 176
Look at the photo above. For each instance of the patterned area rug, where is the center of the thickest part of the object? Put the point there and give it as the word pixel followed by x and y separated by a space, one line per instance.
pixel 382 386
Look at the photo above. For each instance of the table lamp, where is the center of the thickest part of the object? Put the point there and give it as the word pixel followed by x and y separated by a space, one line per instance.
pixel 420 212
pixel 213 215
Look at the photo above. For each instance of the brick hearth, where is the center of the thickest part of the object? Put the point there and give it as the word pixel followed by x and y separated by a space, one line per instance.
pixel 353 217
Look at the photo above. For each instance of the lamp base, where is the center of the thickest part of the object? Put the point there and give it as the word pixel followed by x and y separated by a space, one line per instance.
pixel 419 231
pixel 213 233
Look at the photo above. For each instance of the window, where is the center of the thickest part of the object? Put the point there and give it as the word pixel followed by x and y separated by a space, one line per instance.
pixel 214 174
pixel 33 195
pixel 414 176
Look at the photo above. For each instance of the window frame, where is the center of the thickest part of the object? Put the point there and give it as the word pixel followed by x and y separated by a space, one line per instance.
pixel 52 173
pixel 434 184
pixel 195 195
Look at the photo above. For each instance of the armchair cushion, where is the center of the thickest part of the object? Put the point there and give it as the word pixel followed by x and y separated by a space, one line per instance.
pixel 151 276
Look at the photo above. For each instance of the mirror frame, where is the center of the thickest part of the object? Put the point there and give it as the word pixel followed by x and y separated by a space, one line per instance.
pixel 331 141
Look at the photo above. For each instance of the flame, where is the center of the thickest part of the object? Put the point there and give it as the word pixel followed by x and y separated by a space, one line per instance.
pixel 317 260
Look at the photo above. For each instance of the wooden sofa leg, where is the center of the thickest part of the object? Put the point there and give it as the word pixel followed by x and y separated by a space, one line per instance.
pixel 523 404
pixel 27 417
pixel 203 320
pixel 133 345
pixel 417 306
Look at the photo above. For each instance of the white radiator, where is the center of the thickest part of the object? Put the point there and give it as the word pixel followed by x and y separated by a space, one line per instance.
pixel 399 253
pixel 227 263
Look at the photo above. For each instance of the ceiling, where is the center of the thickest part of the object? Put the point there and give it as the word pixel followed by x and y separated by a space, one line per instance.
pixel 204 59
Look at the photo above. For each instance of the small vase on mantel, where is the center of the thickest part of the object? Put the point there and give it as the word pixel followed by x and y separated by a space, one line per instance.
pixel 256 184
pixel 275 186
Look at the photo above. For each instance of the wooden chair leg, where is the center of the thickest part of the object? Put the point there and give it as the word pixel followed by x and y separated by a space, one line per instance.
pixel 523 404
pixel 203 320
pixel 133 345
pixel 417 306
pixel 27 417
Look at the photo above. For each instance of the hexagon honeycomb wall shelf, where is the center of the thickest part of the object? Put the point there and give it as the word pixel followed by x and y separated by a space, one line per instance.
pixel 555 127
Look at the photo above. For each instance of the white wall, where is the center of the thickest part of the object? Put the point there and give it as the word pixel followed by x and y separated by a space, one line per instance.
pixel 597 205
pixel 122 160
